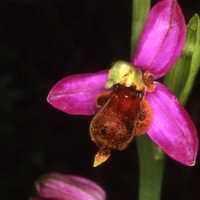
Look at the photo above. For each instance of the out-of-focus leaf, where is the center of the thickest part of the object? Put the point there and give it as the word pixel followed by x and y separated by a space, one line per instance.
pixel 181 78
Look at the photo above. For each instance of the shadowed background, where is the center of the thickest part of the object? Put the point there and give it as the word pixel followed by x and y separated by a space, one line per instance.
pixel 42 41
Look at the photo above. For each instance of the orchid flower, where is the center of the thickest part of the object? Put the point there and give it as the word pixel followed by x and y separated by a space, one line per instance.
pixel 166 121
pixel 67 187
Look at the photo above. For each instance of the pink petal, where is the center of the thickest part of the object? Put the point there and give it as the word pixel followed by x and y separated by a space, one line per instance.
pixel 76 94
pixel 172 128
pixel 68 187
pixel 40 198
pixel 162 40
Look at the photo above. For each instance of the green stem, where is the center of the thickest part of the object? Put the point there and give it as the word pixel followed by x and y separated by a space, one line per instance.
pixel 140 10
pixel 151 157
pixel 151 162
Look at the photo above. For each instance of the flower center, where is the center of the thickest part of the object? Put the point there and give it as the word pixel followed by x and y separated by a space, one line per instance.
pixel 125 73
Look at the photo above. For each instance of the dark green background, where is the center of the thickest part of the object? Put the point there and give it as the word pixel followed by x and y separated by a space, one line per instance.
pixel 42 41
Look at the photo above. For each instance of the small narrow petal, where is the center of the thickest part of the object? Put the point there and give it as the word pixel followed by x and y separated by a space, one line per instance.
pixel 162 39
pixel 76 94
pixel 172 128
pixel 68 187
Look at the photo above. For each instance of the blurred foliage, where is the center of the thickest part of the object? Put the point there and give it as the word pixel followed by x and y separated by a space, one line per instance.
pixel 42 41
pixel 181 78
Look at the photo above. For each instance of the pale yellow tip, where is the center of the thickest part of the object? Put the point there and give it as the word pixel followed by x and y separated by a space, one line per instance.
pixel 100 158
pixel 194 162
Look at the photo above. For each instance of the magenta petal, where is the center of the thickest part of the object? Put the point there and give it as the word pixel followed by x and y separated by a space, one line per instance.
pixel 162 40
pixel 76 94
pixel 172 128
pixel 68 187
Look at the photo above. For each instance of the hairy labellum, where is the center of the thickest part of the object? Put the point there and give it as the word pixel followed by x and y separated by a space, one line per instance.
pixel 124 114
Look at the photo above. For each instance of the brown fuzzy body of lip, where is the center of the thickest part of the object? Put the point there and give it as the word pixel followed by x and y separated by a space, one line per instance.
pixel 123 114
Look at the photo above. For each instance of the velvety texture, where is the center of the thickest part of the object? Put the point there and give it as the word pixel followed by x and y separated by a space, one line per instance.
pixel 76 94
pixel 68 187
pixel 172 129
pixel 162 39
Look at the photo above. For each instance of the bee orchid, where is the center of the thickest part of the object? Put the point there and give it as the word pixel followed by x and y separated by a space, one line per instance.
pixel 127 99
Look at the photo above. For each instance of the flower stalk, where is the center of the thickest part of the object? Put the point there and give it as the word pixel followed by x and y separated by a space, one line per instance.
pixel 151 167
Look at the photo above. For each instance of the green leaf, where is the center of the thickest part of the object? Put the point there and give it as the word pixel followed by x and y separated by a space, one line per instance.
pixel 182 76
